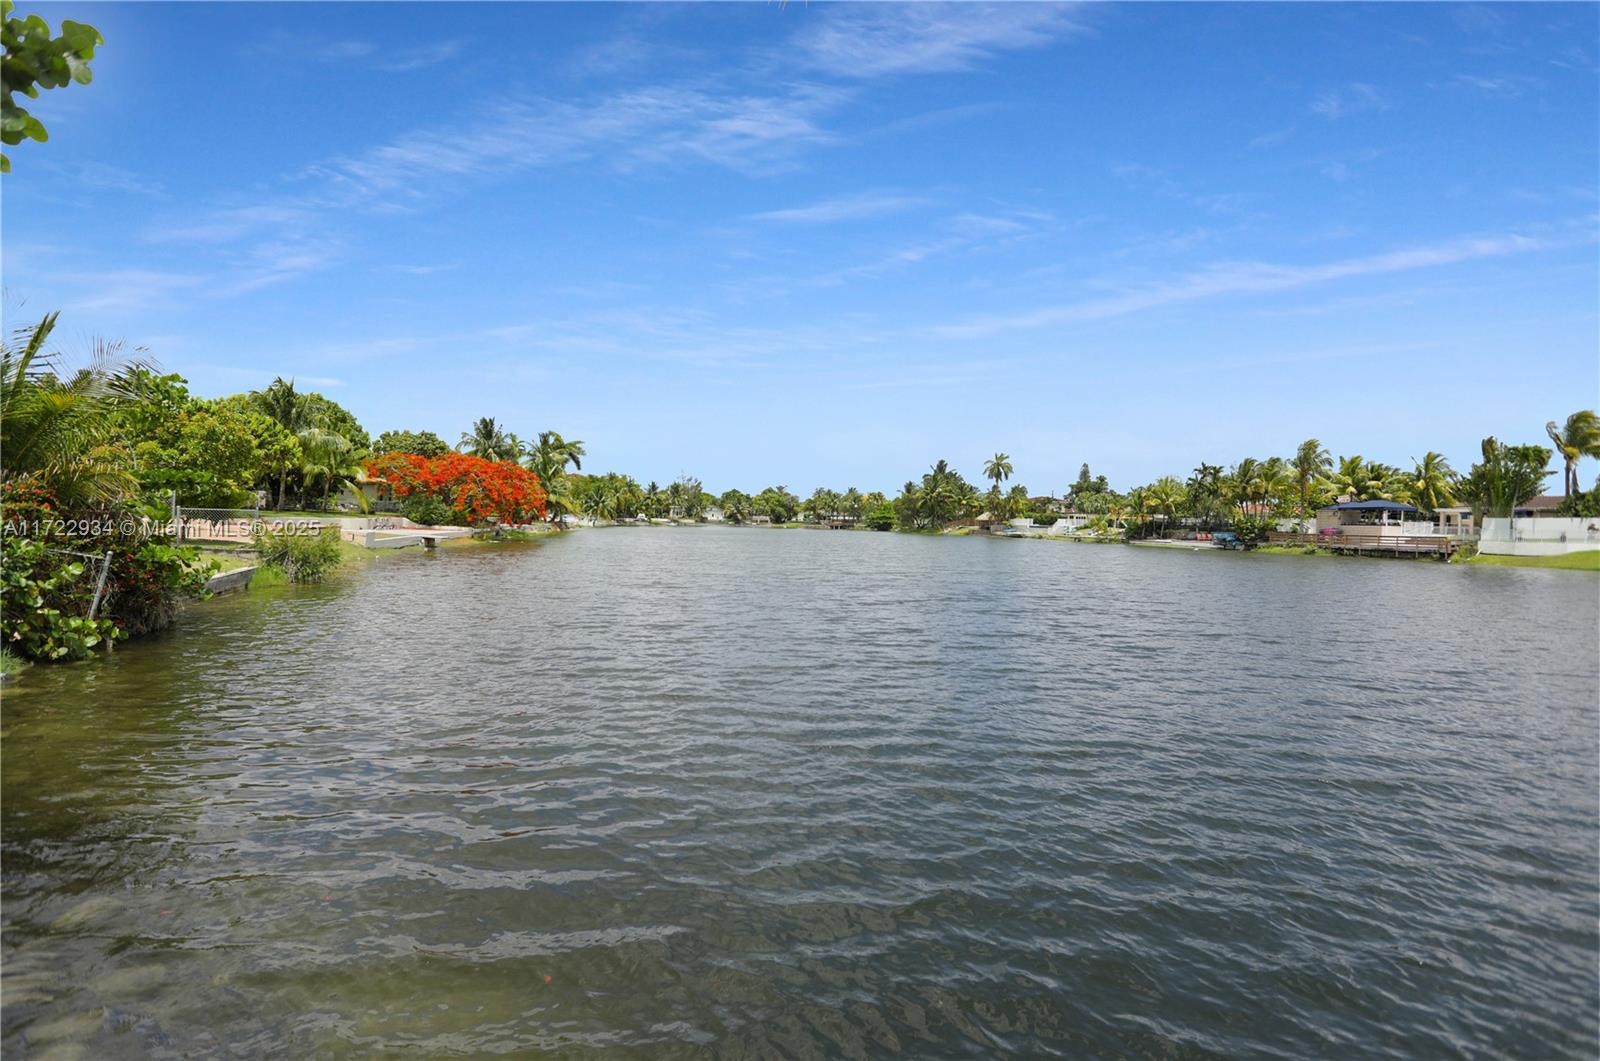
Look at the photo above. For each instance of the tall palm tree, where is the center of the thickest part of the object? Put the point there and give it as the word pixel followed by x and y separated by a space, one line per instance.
pixel 940 496
pixel 998 468
pixel 1168 495
pixel 1431 485
pixel 59 427
pixel 1242 481
pixel 1205 492
pixel 487 440
pixel 551 454
pixel 1578 437
pixel 1311 462
pixel 1348 480
pixel 548 459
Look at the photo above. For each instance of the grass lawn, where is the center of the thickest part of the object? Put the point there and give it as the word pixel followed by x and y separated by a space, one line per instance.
pixel 1585 561
pixel 228 561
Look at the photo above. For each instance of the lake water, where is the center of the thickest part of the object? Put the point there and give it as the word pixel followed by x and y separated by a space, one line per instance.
pixel 719 792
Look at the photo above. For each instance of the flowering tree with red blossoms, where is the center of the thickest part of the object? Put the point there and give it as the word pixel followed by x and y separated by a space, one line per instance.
pixel 477 489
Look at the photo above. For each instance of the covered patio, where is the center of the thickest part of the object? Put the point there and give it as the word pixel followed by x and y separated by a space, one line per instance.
pixel 1381 517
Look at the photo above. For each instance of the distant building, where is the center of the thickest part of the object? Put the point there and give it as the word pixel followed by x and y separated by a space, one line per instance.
pixel 1458 521
pixel 378 492
pixel 1543 505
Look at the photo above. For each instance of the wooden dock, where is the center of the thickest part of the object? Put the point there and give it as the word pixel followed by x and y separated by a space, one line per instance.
pixel 1368 544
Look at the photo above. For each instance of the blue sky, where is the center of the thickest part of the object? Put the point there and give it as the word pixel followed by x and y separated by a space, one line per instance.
pixel 819 244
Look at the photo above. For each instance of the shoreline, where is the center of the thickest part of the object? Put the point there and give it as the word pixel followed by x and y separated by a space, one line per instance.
pixel 1583 560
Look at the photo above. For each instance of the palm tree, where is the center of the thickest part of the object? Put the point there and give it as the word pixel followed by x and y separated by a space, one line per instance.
pixel 1348 481
pixel 548 459
pixel 559 501
pixel 1205 491
pixel 552 453
pixel 329 456
pixel 292 410
pixel 1168 495
pixel 1578 437
pixel 1311 462
pixel 59 428
pixel 1431 485
pixel 1242 482
pixel 488 441
pixel 942 494
pixel 998 468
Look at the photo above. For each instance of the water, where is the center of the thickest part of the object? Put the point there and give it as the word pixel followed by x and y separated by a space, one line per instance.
pixel 717 792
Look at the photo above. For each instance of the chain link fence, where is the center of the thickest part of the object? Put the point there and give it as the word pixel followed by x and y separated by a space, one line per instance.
pixel 237 525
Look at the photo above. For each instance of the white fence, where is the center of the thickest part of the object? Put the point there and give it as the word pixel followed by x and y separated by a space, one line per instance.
pixel 1539 536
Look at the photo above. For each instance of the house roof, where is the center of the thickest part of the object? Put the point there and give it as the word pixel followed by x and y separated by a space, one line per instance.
pixel 1543 501
pixel 1373 506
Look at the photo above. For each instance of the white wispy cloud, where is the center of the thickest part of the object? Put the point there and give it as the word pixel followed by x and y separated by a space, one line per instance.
pixel 1358 97
pixel 843 208
pixel 960 234
pixel 227 224
pixel 872 40
pixel 124 289
pixel 275 262
pixel 626 130
pixel 423 270
pixel 1239 278
pixel 106 177
pixel 405 60
pixel 1509 86
pixel 283 45
pixel 1272 137
pixel 1346 165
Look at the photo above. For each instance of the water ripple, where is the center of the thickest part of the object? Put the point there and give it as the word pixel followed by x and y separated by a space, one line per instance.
pixel 720 793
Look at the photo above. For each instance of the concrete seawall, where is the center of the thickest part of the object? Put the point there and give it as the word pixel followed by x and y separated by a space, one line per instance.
pixel 230 581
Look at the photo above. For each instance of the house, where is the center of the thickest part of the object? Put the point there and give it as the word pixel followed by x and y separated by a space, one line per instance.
pixel 1069 523
pixel 760 521
pixel 379 494
pixel 1543 505
pixel 713 514
pixel 1457 521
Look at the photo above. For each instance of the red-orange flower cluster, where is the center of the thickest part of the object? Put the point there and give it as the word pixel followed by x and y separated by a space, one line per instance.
pixel 478 489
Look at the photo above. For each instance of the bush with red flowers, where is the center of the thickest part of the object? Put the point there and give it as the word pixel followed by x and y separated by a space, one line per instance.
pixel 477 490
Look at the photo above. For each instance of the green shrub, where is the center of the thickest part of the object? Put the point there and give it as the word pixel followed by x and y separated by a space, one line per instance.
pixel 1583 504
pixel 148 582
pixel 1254 528
pixel 425 510
pixel 881 518
pixel 46 596
pixel 300 557
pixel 50 573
